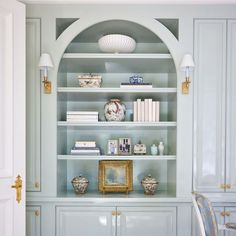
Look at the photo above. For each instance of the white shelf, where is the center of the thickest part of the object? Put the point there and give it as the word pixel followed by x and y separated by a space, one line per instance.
pixel 117 55
pixel 117 157
pixel 115 90
pixel 118 124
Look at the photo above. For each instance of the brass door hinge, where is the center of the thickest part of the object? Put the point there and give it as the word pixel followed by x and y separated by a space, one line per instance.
pixel 18 187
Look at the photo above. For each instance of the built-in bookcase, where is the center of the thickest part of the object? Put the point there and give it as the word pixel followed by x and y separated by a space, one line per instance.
pixel 151 60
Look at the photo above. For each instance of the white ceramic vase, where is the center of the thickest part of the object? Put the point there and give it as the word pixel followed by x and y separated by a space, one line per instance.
pixel 161 148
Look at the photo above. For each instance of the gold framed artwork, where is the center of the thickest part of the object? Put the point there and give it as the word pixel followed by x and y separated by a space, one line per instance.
pixel 115 176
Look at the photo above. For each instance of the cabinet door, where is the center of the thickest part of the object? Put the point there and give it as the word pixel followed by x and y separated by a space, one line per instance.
pixel 32 105
pixel 195 225
pixel 231 108
pixel 139 221
pixel 85 221
pixel 32 221
pixel 230 218
pixel 209 105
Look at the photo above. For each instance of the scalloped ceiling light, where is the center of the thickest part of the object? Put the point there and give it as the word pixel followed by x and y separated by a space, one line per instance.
pixel 116 43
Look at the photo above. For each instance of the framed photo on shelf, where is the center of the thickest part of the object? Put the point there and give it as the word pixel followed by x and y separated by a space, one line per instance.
pixel 124 146
pixel 112 147
pixel 115 176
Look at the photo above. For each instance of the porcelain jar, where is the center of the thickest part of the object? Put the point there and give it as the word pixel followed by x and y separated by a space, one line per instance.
pixel 114 110
pixel 80 184
pixel 149 185
pixel 154 150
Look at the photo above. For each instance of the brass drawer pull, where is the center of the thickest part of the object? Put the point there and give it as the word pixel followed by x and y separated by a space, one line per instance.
pixel 36 213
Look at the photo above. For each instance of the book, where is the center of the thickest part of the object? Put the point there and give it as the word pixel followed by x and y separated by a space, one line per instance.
pixel 157 116
pixel 82 112
pixel 146 110
pixel 138 109
pixel 150 110
pixel 153 111
pixel 80 144
pixel 135 86
pixel 142 111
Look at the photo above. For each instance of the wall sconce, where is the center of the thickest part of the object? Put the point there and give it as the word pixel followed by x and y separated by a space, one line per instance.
pixel 45 64
pixel 187 65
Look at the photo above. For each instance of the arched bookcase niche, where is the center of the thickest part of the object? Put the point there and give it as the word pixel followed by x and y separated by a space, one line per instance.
pixel 155 58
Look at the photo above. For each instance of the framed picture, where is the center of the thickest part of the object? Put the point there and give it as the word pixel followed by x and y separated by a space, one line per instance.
pixel 115 176
pixel 112 147
pixel 124 146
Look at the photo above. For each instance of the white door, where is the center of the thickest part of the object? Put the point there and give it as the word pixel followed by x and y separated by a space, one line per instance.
pixel 12 116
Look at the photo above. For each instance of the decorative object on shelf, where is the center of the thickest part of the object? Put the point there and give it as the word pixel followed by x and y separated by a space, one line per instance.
pixel 45 64
pixel 82 116
pixel 154 149
pixel 187 65
pixel 146 111
pixel 116 43
pixel 114 110
pixel 161 148
pixel 112 147
pixel 124 146
pixel 136 86
pixel 136 79
pixel 140 148
pixel 115 176
pixel 85 148
pixel 90 81
pixel 149 185
pixel 80 184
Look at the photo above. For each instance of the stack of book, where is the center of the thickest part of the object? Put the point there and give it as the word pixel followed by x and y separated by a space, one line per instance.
pixel 82 116
pixel 146 111
pixel 139 85
pixel 85 148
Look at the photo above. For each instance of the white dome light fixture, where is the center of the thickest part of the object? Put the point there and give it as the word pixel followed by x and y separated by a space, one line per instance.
pixel 116 43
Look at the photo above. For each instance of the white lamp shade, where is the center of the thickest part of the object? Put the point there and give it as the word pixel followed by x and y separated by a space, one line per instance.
pixel 187 63
pixel 45 61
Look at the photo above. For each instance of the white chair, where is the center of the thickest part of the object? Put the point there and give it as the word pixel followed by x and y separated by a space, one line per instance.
pixel 206 217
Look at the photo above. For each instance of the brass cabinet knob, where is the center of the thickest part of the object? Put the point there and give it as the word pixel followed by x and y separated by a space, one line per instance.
pixel 227 213
pixel 36 213
pixel 222 213
pixel 228 186
pixel 223 186
pixel 36 184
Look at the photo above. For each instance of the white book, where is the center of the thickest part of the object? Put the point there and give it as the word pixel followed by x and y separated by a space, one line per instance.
pixel 82 112
pixel 157 111
pixel 81 117
pixel 142 111
pixel 146 110
pixel 150 110
pixel 85 144
pixel 153 111
pixel 135 86
pixel 135 111
pixel 138 109
pixel 82 121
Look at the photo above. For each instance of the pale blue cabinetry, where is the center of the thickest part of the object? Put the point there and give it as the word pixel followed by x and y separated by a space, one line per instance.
pixel 33 221
pixel 214 106
pixel 33 105
pixel 115 221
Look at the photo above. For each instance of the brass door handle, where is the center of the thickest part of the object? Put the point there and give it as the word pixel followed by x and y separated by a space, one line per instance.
pixel 18 187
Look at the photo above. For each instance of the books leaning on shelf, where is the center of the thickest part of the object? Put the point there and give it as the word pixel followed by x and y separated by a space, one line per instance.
pixel 82 116
pixel 146 111
pixel 85 148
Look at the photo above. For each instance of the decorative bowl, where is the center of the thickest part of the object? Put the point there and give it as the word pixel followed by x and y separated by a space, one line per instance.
pixel 149 185
pixel 80 184
pixel 116 43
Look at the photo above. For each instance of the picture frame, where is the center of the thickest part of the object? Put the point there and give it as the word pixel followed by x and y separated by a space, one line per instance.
pixel 124 146
pixel 112 147
pixel 115 176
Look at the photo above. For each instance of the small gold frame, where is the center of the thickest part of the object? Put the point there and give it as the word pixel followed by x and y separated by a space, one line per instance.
pixel 115 176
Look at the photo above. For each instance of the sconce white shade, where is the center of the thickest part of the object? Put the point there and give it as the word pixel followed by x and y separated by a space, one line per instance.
pixel 45 62
pixel 187 63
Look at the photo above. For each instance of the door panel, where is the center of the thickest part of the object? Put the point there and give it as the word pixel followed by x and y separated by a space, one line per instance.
pixel 231 108
pixel 209 105
pixel 141 221
pixel 12 116
pixel 85 221
pixel 230 218
pixel 33 221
